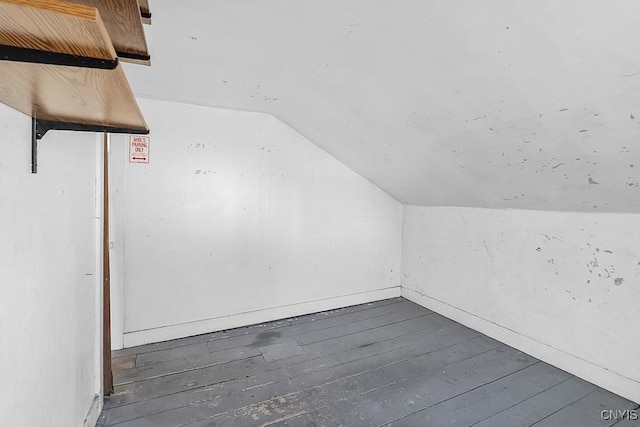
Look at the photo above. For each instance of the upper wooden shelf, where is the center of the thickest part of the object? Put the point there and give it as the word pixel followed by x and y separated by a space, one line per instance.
pixel 54 26
pixel 123 21
pixel 93 92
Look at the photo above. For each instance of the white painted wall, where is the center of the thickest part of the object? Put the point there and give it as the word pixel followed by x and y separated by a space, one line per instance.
pixel 494 103
pixel 561 286
pixel 49 276
pixel 238 219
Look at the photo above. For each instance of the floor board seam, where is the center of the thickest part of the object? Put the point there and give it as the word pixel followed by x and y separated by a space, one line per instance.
pixel 368 329
pixel 522 401
pixel 565 406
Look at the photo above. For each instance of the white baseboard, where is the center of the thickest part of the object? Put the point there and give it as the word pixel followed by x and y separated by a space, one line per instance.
pixel 616 383
pixel 94 412
pixel 164 333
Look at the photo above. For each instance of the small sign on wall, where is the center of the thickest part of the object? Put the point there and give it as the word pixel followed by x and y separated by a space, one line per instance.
pixel 139 149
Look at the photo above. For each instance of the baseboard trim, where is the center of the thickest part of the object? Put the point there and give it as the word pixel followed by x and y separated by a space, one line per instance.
pixel 165 333
pixel 94 412
pixel 614 382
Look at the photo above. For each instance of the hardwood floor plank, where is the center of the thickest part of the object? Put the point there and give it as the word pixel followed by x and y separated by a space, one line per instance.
pixel 488 399
pixel 312 372
pixel 355 388
pixel 313 418
pixel 587 411
pixel 170 384
pixel 358 326
pixel 541 405
pixel 175 353
pixel 630 420
pixel 176 366
pixel 149 389
pixel 432 382
pixel 123 363
pixel 281 350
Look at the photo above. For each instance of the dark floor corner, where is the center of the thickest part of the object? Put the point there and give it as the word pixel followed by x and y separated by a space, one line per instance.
pixel 390 362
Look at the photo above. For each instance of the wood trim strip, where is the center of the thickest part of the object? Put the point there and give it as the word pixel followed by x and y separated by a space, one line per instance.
pixel 106 277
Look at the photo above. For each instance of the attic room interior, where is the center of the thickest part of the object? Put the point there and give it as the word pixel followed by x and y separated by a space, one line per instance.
pixel 306 213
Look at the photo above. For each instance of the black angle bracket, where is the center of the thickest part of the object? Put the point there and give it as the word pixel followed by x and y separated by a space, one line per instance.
pixel 22 54
pixel 40 127
pixel 134 56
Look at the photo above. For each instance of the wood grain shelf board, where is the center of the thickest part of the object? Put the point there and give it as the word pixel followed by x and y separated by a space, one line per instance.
pixel 54 26
pixel 124 24
pixel 144 7
pixel 86 96
pixel 145 11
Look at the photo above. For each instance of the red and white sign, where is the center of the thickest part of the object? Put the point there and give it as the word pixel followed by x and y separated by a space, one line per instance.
pixel 139 149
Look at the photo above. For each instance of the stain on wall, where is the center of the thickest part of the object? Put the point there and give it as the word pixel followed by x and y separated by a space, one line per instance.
pixel 570 281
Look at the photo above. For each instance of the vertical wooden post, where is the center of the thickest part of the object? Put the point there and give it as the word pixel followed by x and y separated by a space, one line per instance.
pixel 106 286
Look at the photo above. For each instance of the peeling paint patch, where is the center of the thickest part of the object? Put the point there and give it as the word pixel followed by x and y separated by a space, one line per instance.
pixel 618 281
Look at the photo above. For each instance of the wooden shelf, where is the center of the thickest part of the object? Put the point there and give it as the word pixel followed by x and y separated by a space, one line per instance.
pixel 87 96
pixel 123 22
pixel 145 11
pixel 74 95
pixel 54 26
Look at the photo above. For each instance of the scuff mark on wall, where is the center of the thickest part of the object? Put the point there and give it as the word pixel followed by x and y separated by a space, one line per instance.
pixel 487 249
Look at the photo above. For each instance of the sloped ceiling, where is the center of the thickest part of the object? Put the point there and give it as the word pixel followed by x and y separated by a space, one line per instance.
pixel 496 103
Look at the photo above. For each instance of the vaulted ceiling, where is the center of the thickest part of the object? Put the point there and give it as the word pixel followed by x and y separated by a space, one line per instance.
pixel 495 103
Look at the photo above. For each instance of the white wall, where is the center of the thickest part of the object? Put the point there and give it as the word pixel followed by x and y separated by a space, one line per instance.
pixel 239 219
pixel 561 286
pixel 49 276
pixel 528 100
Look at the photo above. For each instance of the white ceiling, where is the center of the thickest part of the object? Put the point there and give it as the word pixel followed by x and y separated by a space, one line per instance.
pixel 498 103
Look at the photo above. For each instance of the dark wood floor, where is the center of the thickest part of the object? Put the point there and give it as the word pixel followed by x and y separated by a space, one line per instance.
pixel 390 362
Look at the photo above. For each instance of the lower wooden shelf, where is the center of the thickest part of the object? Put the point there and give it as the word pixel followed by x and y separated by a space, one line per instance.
pixel 87 96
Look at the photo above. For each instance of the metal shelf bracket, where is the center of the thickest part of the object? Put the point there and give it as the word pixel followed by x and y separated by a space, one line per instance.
pixel 40 127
